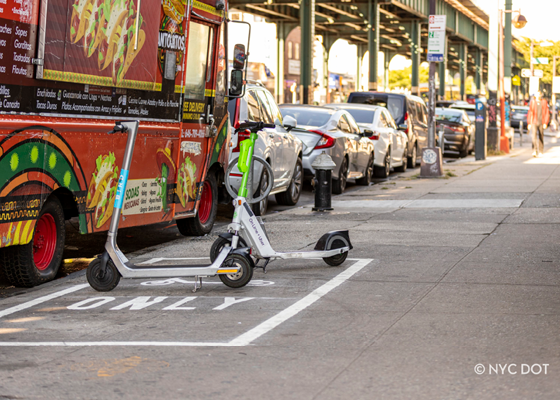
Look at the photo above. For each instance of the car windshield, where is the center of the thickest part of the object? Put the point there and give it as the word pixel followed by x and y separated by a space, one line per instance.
pixel 308 116
pixel 519 110
pixel 393 103
pixel 448 115
pixel 362 116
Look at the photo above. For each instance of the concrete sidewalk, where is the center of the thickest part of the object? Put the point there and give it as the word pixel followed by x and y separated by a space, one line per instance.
pixel 460 299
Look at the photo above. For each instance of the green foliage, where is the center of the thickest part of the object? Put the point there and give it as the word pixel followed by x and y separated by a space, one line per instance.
pixel 524 45
pixel 402 78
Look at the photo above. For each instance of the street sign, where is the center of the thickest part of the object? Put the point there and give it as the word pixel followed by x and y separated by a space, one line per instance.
pixel 516 80
pixel 556 84
pixel 526 73
pixel 436 38
pixel 540 60
pixel 437 22
pixel 533 85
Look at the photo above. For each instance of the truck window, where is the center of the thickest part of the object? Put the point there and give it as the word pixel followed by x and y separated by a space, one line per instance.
pixel 197 60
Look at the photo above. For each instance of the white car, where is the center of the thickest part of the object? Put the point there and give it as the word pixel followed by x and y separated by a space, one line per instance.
pixel 280 148
pixel 390 143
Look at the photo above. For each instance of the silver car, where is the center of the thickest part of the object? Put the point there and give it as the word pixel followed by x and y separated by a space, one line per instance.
pixel 389 142
pixel 280 148
pixel 335 132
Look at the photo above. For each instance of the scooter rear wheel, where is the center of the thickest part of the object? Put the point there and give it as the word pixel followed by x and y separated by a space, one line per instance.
pixel 244 275
pixel 103 281
pixel 338 259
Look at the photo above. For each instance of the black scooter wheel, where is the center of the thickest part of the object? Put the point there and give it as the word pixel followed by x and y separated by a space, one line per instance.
pixel 337 243
pixel 219 245
pixel 103 281
pixel 242 277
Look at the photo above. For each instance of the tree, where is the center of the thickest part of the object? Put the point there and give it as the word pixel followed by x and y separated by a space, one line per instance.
pixel 524 45
pixel 402 78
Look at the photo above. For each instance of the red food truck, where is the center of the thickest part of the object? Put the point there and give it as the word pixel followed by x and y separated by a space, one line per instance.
pixel 68 70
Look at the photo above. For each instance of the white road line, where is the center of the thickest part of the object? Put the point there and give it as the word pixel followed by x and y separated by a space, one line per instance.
pixel 248 337
pixel 40 300
pixel 244 339
pixel 97 344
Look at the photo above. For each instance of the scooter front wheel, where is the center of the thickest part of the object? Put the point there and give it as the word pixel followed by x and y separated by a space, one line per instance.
pixel 103 281
pixel 240 278
pixel 337 243
pixel 219 245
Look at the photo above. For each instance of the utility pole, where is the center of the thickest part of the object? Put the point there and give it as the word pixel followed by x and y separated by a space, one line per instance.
pixel 431 166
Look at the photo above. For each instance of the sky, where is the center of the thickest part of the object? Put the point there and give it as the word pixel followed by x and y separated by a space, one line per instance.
pixel 542 17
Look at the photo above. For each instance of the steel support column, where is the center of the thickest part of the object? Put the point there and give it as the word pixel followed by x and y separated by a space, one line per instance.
pixel 360 53
pixel 443 72
pixel 415 56
pixel 280 47
pixel 507 48
pixel 478 76
pixel 307 23
pixel 463 68
pixel 387 60
pixel 373 42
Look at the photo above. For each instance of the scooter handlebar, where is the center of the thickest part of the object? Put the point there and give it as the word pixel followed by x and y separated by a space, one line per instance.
pixel 119 127
pixel 254 126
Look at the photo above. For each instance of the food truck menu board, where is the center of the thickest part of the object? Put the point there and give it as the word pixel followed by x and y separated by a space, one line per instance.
pixel 18 34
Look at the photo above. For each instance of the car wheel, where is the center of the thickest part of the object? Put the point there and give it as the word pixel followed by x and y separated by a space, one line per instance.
pixel 383 172
pixel 366 180
pixel 260 208
pixel 340 184
pixel 465 150
pixel 38 261
pixel 291 196
pixel 402 167
pixel 412 159
pixel 207 210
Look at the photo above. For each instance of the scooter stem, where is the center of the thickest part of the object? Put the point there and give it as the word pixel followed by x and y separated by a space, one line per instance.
pixel 132 129
pixel 245 161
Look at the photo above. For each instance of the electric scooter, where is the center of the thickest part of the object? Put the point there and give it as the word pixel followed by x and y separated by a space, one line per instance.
pixel 233 266
pixel 248 230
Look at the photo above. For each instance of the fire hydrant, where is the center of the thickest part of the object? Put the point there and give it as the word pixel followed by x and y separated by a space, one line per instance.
pixel 323 166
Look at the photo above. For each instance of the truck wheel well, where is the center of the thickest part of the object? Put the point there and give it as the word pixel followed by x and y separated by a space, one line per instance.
pixel 218 170
pixel 68 202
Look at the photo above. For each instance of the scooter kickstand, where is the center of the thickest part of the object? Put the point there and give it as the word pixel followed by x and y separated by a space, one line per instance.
pixel 267 260
pixel 196 283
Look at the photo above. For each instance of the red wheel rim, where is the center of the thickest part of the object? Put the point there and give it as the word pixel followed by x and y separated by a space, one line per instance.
pixel 44 241
pixel 205 207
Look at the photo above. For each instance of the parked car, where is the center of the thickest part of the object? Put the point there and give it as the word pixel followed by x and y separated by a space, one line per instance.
pixel 335 132
pixel 444 103
pixel 410 114
pixel 467 107
pixel 390 144
pixel 458 130
pixel 278 146
pixel 519 114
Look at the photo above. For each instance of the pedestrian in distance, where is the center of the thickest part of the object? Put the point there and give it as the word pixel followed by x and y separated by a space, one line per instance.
pixel 538 119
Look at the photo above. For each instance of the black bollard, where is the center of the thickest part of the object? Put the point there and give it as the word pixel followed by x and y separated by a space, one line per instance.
pixel 323 166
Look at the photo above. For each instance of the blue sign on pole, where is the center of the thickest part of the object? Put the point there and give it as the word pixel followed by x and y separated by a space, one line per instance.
pixel 435 57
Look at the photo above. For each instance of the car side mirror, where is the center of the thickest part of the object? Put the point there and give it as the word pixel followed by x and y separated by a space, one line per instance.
pixel 236 82
pixel 403 127
pixel 289 122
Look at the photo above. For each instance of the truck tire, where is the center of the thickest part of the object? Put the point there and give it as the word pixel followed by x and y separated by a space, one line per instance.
pixel 203 222
pixel 38 261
